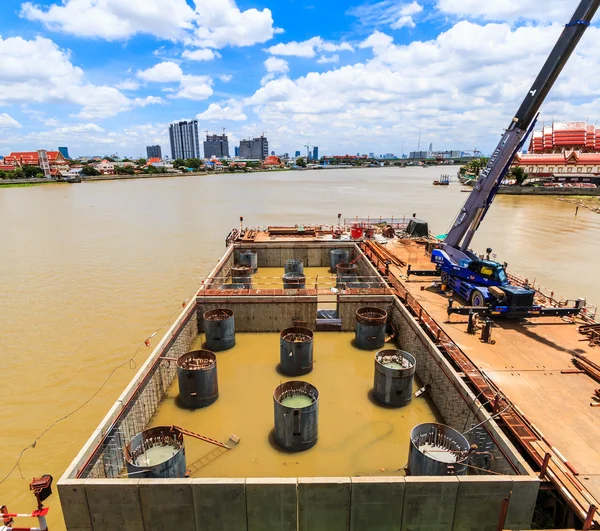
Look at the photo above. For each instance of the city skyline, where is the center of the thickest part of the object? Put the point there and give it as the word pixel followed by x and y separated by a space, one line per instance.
pixel 113 80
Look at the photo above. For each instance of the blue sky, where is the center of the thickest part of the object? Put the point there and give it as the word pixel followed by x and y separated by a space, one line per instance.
pixel 106 76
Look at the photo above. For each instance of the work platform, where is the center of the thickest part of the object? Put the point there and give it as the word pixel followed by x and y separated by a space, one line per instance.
pixel 531 364
pixel 349 493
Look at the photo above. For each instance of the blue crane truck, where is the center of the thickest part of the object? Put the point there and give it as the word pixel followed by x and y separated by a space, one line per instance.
pixel 484 283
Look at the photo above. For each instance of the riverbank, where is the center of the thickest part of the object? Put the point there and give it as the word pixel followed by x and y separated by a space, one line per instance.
pixel 548 191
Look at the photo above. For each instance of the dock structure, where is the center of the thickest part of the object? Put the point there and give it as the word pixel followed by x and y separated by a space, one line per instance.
pixel 527 375
pixel 518 402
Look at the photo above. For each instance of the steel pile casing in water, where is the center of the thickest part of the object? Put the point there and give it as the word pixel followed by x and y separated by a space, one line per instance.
pixel 174 467
pixel 296 357
pixel 429 439
pixel 393 386
pixel 370 328
pixel 294 281
pixel 242 274
pixel 346 273
pixel 197 378
pixel 219 328
pixel 296 429
pixel 293 266
pixel 337 256
pixel 249 258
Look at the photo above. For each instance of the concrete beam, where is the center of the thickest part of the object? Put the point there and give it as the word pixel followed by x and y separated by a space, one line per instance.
pixel 376 503
pixel 429 503
pixel 74 505
pixel 220 504
pixel 522 501
pixel 479 501
pixel 271 504
pixel 323 504
pixel 167 504
pixel 114 504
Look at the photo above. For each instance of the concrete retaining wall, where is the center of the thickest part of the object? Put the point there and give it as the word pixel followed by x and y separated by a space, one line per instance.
pixel 262 314
pixel 541 190
pixel 306 504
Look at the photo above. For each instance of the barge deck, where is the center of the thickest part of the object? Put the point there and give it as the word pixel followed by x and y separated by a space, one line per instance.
pixel 540 397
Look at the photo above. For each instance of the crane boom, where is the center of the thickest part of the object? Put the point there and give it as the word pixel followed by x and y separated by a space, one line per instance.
pixel 475 208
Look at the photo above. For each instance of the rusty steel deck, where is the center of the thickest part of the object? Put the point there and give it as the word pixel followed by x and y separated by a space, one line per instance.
pixel 526 378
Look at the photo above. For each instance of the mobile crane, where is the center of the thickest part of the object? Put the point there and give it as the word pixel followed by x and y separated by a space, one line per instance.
pixel 484 283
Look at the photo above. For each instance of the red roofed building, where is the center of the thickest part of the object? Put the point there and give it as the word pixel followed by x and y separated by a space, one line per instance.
pixel 272 162
pixel 563 150
pixel 18 159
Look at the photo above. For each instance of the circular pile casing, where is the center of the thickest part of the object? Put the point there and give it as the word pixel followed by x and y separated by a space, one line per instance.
pixel 234 287
pixel 392 386
pixel 346 272
pixel 294 266
pixel 296 351
pixel 370 328
pixel 337 256
pixel 152 443
pixel 197 377
pixel 296 429
pixel 437 450
pixel 219 328
pixel 250 258
pixel 294 281
pixel 242 274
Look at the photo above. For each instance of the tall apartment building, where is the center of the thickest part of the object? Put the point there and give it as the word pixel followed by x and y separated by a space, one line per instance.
pixel 216 146
pixel 315 153
pixel 256 148
pixel 185 142
pixel 236 150
pixel 153 152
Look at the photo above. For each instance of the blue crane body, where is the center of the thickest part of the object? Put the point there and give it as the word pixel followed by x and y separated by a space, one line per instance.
pixel 484 283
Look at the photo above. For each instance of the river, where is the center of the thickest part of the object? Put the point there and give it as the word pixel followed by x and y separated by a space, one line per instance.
pixel 90 270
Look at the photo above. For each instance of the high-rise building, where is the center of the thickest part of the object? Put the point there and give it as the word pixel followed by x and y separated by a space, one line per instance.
pixel 64 151
pixel 185 142
pixel 256 148
pixel 297 154
pixel 154 152
pixel 371 155
pixel 272 153
pixel 236 151
pixel 216 146
pixel 315 154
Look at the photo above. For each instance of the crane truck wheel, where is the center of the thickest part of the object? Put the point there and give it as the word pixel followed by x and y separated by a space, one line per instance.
pixel 477 299
pixel 445 278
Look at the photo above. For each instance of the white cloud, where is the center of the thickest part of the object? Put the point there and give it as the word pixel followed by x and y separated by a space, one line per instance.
pixel 509 10
pixel 164 72
pixel 209 24
pixel 203 54
pixel 461 89
pixel 231 109
pixel 308 48
pixel 48 76
pixel 394 13
pixel 225 78
pixel 331 59
pixel 274 66
pixel 221 23
pixel 8 122
pixel 79 128
pixel 128 84
pixel 190 87
pixel 115 19
pixel 194 88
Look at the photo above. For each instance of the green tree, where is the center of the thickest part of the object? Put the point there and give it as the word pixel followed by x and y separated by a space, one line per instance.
pixel 109 159
pixel 141 162
pixel 193 163
pixel 32 172
pixel 17 173
pixel 301 162
pixel 124 170
pixel 89 171
pixel 178 163
pixel 519 175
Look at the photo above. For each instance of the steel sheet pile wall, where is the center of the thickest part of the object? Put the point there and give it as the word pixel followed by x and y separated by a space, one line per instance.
pixel 110 460
pixel 276 254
